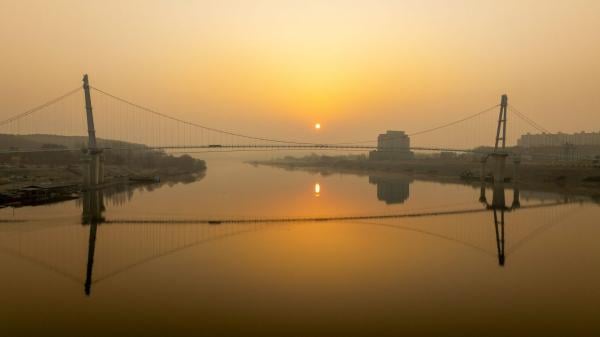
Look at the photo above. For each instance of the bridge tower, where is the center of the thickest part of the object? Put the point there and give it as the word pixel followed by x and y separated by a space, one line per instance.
pixel 501 130
pixel 95 161
pixel 499 155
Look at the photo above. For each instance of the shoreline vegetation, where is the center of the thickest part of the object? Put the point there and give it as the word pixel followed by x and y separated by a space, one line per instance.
pixel 568 179
pixel 62 168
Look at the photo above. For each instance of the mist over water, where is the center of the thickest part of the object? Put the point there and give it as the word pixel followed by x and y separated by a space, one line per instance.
pixel 152 259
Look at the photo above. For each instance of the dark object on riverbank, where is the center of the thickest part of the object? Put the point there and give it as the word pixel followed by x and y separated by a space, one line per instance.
pixel 593 179
pixel 145 179
pixel 470 176
pixel 38 195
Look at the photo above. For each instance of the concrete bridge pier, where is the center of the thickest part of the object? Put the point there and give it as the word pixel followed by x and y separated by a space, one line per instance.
pixel 499 166
pixel 516 203
pixel 93 170
pixel 482 175
pixel 93 207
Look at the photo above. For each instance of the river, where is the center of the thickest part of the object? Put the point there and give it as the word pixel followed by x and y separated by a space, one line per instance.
pixel 385 257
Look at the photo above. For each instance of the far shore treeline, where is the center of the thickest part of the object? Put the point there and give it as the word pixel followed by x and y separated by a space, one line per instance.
pixel 71 150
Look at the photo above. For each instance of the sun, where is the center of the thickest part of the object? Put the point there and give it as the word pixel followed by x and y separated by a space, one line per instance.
pixel 317 126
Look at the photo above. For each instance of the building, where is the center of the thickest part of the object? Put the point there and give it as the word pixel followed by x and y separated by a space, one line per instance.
pixel 559 139
pixel 392 145
pixel 563 146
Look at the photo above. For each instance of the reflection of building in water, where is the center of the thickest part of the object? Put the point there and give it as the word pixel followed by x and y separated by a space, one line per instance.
pixel 392 145
pixel 392 190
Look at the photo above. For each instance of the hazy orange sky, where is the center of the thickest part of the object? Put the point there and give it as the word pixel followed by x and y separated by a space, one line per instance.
pixel 276 67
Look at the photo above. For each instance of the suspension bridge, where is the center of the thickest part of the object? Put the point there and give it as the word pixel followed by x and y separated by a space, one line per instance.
pixel 122 125
pixel 90 259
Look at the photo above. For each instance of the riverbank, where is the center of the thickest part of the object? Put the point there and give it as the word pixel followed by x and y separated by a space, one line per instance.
pixel 18 176
pixel 56 165
pixel 42 184
pixel 546 177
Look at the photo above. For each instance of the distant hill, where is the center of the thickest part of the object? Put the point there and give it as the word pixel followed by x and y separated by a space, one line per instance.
pixel 37 141
pixel 140 160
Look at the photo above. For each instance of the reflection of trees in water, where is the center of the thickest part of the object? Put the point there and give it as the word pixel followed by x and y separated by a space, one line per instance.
pixel 392 189
pixel 119 195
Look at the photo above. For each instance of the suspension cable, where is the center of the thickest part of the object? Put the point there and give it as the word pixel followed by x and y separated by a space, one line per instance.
pixel 39 107
pixel 454 122
pixel 529 121
pixel 430 129
pixel 198 125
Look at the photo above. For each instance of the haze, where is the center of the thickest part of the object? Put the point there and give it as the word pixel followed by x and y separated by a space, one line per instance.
pixel 278 67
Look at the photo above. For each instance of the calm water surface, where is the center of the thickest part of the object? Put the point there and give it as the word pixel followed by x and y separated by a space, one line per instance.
pixel 151 267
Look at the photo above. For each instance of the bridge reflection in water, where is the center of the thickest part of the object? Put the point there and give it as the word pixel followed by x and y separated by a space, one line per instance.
pixel 128 243
pixel 93 215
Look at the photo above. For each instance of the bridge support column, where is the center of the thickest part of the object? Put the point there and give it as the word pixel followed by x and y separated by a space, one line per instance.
pixel 516 180
pixel 482 175
pixel 95 170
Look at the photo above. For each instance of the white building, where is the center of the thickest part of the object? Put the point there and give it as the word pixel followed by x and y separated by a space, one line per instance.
pixel 559 139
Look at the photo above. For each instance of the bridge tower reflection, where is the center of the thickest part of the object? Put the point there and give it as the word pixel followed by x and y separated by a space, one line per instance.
pixel 93 215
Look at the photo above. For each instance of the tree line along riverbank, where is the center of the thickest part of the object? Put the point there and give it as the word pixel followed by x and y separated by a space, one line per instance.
pixel 553 177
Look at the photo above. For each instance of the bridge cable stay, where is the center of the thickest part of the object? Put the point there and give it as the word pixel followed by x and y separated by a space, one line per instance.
pixel 431 234
pixel 531 122
pixel 280 141
pixel 185 125
pixel 60 116
pixel 428 130
pixel 165 239
pixel 550 223
pixel 121 122
pixel 195 235
pixel 39 107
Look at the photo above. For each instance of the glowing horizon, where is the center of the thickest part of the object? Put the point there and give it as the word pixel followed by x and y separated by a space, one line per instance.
pixel 360 67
